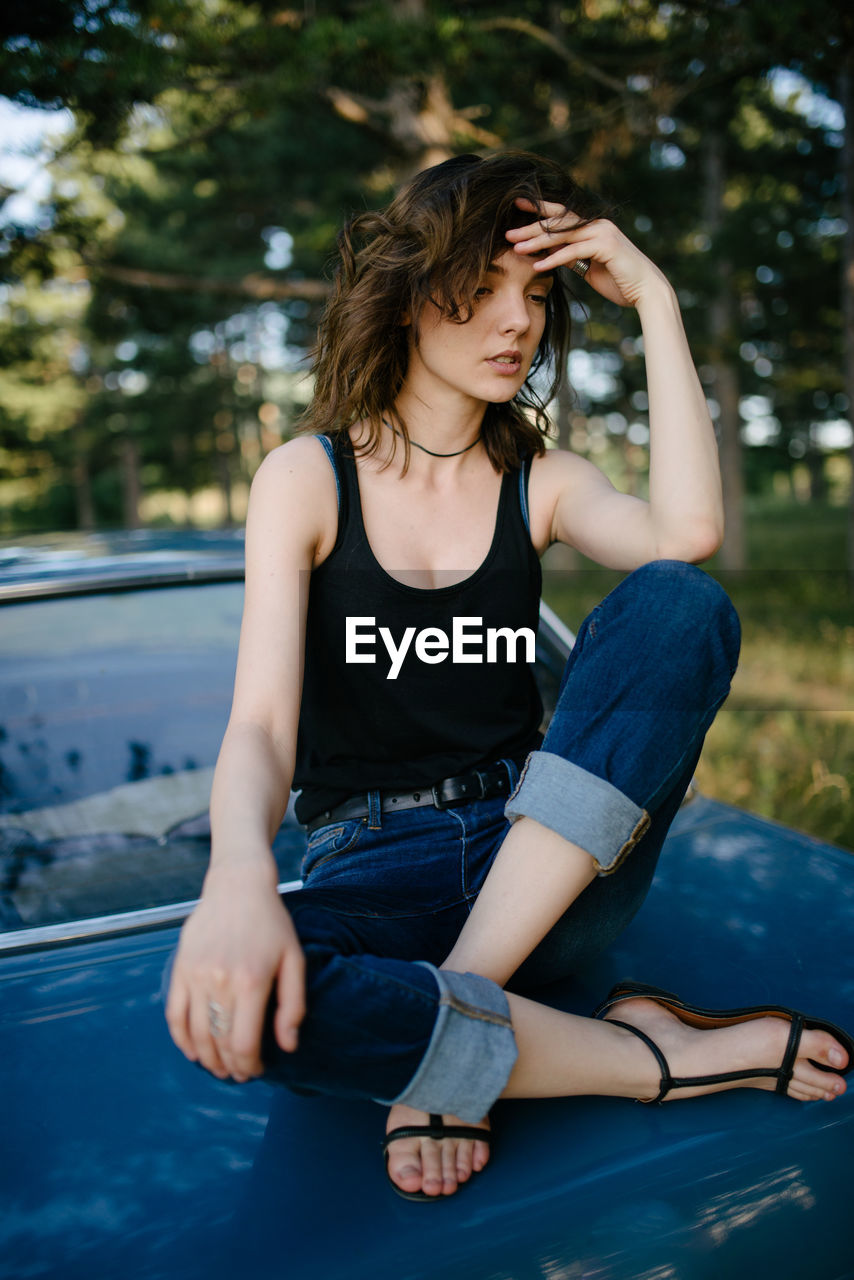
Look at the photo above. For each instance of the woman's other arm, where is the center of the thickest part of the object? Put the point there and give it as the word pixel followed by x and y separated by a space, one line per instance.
pixel 240 943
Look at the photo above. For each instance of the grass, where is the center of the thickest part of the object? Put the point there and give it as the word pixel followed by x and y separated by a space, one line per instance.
pixel 783 744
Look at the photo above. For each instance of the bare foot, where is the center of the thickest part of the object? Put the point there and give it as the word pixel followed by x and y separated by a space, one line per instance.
pixel 422 1164
pixel 748 1045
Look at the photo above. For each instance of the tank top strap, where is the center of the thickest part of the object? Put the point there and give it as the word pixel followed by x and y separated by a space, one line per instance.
pixel 329 450
pixel 332 447
pixel 524 476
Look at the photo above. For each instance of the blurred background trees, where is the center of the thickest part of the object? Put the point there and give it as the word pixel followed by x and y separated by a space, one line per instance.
pixel 158 303
pixel 157 313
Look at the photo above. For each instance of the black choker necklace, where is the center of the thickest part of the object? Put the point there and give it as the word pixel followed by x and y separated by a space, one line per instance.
pixel 423 449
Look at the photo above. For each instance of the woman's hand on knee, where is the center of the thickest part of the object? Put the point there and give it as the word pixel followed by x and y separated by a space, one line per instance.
pixel 237 948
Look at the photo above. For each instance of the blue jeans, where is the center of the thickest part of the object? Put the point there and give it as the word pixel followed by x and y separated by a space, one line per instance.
pixel 385 897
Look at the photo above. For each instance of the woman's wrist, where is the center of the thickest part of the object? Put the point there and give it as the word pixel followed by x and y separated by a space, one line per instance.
pixel 243 866
pixel 658 300
pixel 658 296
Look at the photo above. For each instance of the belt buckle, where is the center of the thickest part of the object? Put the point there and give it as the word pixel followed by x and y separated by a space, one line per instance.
pixel 462 792
pixel 438 799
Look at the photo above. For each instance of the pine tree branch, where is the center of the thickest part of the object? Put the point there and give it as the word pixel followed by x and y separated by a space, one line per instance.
pixel 414 114
pixel 191 139
pixel 580 66
pixel 255 285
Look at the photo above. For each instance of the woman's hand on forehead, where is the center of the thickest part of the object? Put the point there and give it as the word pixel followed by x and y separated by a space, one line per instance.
pixel 618 269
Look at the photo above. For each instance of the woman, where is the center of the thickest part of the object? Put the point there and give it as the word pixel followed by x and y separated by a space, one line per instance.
pixel 392 583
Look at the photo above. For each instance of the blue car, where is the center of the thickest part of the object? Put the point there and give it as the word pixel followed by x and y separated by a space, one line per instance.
pixel 123 1161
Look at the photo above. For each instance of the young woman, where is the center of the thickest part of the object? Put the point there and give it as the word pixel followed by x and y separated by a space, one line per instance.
pixel 392 585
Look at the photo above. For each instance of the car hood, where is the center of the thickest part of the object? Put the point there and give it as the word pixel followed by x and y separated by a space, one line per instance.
pixel 123 1160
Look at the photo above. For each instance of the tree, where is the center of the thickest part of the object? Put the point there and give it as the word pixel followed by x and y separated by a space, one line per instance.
pixel 229 140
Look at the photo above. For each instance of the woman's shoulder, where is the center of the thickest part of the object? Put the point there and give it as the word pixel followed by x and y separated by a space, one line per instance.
pixel 295 487
pixel 557 470
pixel 305 454
pixel 302 461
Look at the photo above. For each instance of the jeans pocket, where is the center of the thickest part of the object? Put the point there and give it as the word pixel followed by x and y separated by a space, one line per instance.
pixel 330 842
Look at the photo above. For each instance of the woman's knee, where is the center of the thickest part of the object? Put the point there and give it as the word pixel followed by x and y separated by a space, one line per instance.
pixel 689 607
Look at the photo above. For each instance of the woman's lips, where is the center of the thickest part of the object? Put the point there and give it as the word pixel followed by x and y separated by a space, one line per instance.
pixel 507 362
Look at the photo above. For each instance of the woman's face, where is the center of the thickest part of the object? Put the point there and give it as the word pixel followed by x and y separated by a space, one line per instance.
pixel 486 359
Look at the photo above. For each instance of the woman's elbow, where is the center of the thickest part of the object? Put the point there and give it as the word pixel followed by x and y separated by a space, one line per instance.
pixel 693 545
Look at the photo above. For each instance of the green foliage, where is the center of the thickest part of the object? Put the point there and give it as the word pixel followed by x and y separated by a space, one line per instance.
pixel 204 131
pixel 153 323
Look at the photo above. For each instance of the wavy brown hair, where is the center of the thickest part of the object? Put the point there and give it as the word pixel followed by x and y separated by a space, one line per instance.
pixel 434 243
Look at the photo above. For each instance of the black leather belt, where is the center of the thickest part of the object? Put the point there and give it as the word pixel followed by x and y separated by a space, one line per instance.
pixel 480 784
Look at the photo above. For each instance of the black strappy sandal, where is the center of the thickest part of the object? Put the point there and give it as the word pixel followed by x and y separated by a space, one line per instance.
pixel 707 1019
pixel 438 1130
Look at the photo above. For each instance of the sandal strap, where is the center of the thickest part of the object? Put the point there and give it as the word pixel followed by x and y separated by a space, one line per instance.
pixel 437 1130
pixel 787 1066
pixel 667 1081
pixel 710 1018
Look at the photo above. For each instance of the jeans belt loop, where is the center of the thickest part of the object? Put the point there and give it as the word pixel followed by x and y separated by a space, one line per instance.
pixel 375 811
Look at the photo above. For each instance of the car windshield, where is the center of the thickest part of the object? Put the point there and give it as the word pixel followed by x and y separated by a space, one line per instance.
pixel 112 709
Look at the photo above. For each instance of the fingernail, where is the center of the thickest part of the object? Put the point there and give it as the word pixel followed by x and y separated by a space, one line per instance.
pixel 837 1058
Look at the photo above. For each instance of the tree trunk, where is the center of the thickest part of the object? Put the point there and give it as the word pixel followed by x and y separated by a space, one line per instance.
pixel 818 478
pixel 132 485
pixel 82 484
pixel 225 484
pixel 722 335
pixel 846 98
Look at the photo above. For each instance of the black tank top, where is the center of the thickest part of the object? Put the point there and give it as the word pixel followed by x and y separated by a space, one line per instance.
pixel 418 713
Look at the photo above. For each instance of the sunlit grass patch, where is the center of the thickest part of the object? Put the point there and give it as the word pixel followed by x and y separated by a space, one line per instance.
pixel 793 766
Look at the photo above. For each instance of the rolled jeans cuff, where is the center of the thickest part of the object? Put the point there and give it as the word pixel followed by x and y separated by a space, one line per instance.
pixel 580 806
pixel 471 1052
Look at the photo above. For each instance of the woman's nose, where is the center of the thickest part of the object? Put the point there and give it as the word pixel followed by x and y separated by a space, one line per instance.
pixel 514 316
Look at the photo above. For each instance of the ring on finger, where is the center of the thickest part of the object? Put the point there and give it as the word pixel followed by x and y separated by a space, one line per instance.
pixel 581 267
pixel 219 1019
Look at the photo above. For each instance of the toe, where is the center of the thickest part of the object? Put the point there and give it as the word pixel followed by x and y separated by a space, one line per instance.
pixel 448 1150
pixel 480 1155
pixel 808 1081
pixel 822 1047
pixel 432 1174
pixel 404 1164
pixel 465 1160
pixel 811 1093
pixel 815 1073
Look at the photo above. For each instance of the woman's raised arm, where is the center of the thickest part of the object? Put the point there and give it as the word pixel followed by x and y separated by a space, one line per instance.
pixel 683 519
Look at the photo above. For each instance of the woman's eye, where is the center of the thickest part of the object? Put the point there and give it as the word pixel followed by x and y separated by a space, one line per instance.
pixel 482 291
pixel 540 298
